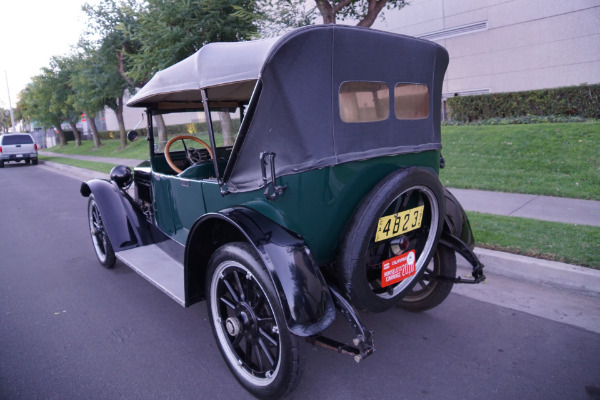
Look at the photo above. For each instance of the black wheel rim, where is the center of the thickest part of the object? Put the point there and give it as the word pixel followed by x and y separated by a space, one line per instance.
pixel 245 323
pixel 98 232
pixel 420 240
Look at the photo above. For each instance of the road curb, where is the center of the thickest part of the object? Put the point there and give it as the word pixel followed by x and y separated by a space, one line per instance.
pixel 543 272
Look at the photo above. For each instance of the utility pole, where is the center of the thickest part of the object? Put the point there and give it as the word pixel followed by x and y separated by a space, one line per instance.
pixel 12 117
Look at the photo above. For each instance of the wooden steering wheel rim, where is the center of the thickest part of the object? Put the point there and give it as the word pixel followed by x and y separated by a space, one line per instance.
pixel 181 137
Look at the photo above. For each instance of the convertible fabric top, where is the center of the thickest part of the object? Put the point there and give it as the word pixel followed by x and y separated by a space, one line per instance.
pixel 231 68
pixel 294 109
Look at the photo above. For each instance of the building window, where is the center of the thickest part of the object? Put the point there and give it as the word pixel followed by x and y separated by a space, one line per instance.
pixel 362 101
pixel 411 101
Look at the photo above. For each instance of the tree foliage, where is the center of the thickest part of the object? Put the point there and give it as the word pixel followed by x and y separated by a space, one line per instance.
pixel 62 99
pixel 169 31
pixel 36 103
pixel 5 122
pixel 152 35
pixel 115 23
pixel 98 84
pixel 274 17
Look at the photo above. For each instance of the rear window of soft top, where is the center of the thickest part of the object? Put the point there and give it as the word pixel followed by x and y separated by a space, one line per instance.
pixel 16 139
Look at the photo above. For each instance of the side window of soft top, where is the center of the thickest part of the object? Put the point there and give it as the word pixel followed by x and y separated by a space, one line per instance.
pixel 411 101
pixel 369 101
pixel 364 101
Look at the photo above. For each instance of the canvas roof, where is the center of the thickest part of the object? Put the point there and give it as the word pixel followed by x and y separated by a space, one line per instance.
pixel 232 68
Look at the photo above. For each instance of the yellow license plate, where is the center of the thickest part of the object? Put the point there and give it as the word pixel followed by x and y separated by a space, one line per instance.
pixel 398 224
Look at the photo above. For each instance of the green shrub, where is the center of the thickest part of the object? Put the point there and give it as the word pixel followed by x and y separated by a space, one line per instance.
pixel 529 119
pixel 583 101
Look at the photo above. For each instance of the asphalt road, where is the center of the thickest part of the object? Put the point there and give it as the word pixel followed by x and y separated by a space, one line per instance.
pixel 70 329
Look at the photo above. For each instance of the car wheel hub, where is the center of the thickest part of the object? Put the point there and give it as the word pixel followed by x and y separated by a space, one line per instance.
pixel 233 326
pixel 246 319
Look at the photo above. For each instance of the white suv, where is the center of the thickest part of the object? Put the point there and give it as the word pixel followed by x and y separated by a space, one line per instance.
pixel 17 147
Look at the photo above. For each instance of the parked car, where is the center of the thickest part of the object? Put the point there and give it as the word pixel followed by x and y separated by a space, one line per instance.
pixel 329 199
pixel 18 147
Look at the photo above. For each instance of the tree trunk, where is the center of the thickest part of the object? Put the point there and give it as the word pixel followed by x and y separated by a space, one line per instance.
pixel 120 55
pixel 75 133
pixel 61 136
pixel 327 11
pixel 162 132
pixel 375 7
pixel 226 128
pixel 121 121
pixel 94 129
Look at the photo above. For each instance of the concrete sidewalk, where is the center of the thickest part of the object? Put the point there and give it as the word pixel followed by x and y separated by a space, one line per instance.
pixel 546 208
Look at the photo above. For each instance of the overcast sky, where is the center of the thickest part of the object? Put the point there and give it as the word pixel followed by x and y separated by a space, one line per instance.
pixel 31 32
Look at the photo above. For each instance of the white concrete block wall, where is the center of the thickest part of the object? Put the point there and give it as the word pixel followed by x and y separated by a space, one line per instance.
pixel 528 44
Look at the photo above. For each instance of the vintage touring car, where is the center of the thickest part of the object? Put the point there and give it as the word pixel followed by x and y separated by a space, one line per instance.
pixel 328 200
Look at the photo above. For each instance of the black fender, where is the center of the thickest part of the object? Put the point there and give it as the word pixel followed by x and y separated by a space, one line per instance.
pixel 457 235
pixel 125 224
pixel 456 221
pixel 302 290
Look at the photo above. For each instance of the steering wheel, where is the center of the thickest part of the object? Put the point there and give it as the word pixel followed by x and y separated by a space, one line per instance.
pixel 187 152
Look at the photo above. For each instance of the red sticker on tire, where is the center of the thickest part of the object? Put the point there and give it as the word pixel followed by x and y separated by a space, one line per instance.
pixel 398 268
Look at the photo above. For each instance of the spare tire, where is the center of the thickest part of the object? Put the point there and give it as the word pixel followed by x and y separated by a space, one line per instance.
pixel 391 238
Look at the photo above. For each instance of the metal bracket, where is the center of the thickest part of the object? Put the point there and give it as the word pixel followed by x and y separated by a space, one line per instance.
pixel 453 242
pixel 272 190
pixel 363 342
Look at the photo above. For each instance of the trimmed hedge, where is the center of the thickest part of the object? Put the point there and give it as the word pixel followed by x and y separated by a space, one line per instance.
pixel 528 119
pixel 583 100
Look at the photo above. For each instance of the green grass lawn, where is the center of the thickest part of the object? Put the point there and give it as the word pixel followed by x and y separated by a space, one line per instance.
pixel 570 243
pixel 548 159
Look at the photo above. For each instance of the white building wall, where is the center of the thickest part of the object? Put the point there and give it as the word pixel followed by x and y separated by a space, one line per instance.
pixel 523 45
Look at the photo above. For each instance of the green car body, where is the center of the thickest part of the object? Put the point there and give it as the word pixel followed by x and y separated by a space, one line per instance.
pixel 317 204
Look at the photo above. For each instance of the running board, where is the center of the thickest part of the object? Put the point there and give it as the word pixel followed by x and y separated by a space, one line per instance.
pixel 158 268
